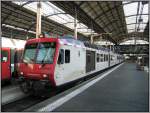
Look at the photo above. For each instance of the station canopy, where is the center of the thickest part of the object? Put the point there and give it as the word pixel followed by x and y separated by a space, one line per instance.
pixel 121 20
pixel 56 14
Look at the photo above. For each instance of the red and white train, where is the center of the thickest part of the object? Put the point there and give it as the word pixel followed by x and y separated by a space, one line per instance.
pixel 10 59
pixel 58 61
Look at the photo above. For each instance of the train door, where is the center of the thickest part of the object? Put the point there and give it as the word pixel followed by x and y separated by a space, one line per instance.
pixel 109 60
pixel 12 53
pixel 5 64
pixel 90 61
pixel 17 61
pixel 60 67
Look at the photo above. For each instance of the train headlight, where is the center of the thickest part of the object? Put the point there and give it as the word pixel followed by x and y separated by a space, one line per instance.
pixel 21 73
pixel 45 76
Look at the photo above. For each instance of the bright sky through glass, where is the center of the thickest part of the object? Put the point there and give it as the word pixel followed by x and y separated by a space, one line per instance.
pixel 130 11
pixel 132 42
pixel 65 19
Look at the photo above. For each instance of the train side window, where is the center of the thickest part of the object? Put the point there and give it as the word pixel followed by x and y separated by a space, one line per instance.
pixel 97 57
pixel 67 56
pixel 111 57
pixel 4 56
pixel 106 57
pixel 88 58
pixel 12 56
pixel 101 57
pixel 61 57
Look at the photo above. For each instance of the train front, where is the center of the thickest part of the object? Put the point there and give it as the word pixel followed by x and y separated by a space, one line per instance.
pixel 38 63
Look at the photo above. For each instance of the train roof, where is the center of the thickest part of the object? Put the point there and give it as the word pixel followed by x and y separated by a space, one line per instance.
pixel 70 40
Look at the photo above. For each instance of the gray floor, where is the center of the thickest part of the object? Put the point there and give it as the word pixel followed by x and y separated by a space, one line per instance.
pixel 125 89
pixel 10 94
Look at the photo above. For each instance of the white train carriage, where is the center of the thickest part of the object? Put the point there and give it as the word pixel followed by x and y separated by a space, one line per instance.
pixel 77 60
pixel 58 61
pixel 71 61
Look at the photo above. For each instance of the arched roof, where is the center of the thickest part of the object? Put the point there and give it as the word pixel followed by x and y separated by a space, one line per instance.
pixel 96 16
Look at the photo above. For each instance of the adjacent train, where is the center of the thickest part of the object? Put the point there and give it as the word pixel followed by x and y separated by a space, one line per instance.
pixel 57 61
pixel 10 59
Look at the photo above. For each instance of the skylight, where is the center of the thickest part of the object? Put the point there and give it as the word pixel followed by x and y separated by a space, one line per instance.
pixel 56 14
pixel 13 43
pixel 131 42
pixel 104 43
pixel 131 11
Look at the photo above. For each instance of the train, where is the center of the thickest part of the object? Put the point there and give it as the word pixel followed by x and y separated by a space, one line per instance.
pixel 10 59
pixel 54 62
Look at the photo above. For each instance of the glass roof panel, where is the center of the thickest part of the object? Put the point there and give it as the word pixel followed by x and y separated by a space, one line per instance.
pixel 70 25
pixel 20 3
pixel 58 19
pixel 131 19
pixel 144 17
pixel 31 6
pixel 53 13
pixel 142 27
pixel 130 9
pixel 13 43
pixel 131 30
pixel 102 42
pixel 145 9
pixel 131 26
pixel 132 42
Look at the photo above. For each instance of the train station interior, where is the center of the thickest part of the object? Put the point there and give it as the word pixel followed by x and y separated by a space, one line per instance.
pixel 75 56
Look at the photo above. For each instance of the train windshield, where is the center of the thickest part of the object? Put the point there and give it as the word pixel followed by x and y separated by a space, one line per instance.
pixel 4 56
pixel 39 52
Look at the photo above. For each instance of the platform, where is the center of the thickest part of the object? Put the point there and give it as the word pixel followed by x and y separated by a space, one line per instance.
pixel 124 89
pixel 10 94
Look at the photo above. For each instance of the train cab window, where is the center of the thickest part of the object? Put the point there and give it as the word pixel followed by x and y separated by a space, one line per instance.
pixel 45 52
pixel 4 56
pixel 61 57
pixel 67 56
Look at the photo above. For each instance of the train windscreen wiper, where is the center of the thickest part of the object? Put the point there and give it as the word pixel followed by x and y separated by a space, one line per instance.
pixel 43 60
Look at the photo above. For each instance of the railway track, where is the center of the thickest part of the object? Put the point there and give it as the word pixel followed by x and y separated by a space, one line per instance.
pixel 18 105
pixel 10 94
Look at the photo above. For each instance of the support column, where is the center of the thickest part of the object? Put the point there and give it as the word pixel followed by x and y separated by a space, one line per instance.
pixel 11 34
pixel 91 39
pixel 38 22
pixel 113 48
pixel 75 24
pixel 110 46
pixel 135 41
